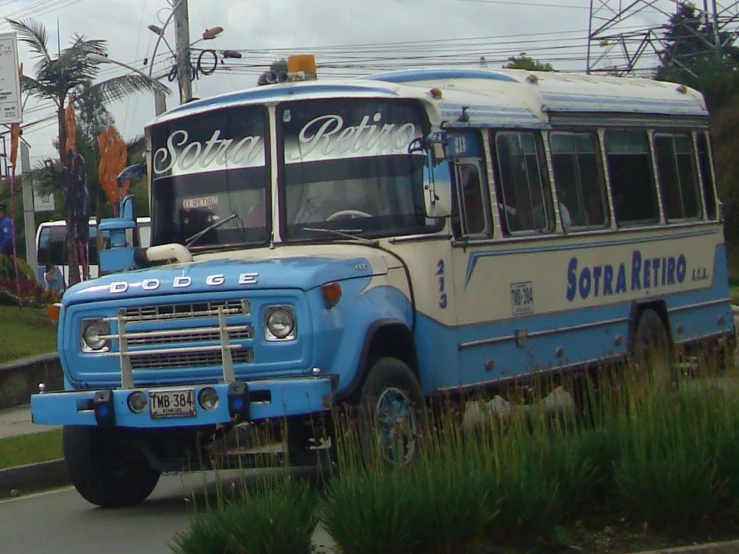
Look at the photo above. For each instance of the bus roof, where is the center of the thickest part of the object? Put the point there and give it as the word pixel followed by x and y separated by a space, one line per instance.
pixel 517 97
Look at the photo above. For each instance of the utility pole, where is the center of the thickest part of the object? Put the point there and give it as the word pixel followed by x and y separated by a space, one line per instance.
pixel 716 35
pixel 160 102
pixel 182 45
pixel 29 211
pixel 617 44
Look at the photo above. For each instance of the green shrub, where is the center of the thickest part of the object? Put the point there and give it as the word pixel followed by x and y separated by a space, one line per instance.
pixel 372 512
pixel 541 473
pixel 278 516
pixel 725 434
pixel 438 504
pixel 453 506
pixel 666 456
pixel 667 471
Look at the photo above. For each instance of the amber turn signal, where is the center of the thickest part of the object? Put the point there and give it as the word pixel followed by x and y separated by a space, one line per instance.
pixel 331 294
pixel 54 311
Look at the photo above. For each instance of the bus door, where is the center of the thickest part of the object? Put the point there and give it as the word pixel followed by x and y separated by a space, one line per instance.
pixel 496 281
pixel 472 227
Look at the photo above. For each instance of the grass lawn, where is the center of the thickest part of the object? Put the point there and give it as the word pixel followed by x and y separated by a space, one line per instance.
pixel 25 332
pixel 30 449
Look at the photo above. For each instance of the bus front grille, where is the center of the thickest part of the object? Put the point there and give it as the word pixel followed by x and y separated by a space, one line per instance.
pixel 187 359
pixel 185 310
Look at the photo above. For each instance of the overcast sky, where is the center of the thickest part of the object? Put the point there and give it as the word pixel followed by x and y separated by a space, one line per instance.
pixel 349 37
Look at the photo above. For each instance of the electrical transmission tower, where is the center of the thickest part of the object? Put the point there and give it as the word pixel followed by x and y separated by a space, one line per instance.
pixel 626 36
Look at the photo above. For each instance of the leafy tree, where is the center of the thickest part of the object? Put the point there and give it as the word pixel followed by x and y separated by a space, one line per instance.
pixel 528 63
pixel 690 56
pixel 72 73
pixel 278 66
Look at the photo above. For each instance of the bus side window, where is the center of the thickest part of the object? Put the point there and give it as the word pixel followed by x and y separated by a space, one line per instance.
pixel 43 246
pixel 678 178
pixel 709 187
pixel 145 233
pixel 581 189
pixel 471 192
pixel 632 179
pixel 524 200
pixel 53 246
pixel 93 245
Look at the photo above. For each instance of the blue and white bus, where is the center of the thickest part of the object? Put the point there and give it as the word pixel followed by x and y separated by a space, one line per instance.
pixel 380 241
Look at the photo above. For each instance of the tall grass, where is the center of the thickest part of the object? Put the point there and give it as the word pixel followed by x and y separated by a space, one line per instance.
pixel 438 504
pixel 661 456
pixel 252 514
pixel 279 516
pixel 665 456
pixel 667 471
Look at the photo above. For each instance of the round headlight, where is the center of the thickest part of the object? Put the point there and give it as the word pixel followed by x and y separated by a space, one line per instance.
pixel 280 323
pixel 92 334
pixel 208 398
pixel 137 402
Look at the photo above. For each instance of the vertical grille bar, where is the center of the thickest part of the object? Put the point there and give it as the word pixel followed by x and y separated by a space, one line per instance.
pixel 228 365
pixel 126 370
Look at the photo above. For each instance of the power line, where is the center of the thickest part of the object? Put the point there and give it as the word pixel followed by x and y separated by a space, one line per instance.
pixel 531 4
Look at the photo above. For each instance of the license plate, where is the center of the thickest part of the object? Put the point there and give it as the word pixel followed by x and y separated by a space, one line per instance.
pixel 172 403
pixel 522 298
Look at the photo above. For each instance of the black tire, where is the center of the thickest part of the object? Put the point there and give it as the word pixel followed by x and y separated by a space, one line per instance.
pixel 391 380
pixel 104 470
pixel 652 349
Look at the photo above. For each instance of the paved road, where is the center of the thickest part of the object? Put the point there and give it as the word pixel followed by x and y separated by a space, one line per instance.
pixel 61 522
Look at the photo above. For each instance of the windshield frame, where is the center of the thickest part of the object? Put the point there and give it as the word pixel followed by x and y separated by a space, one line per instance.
pixel 161 211
pixel 348 226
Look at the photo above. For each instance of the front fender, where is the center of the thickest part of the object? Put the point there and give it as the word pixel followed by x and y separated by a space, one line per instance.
pixel 343 333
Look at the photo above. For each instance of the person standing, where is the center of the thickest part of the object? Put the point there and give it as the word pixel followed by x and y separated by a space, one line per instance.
pixel 6 232
pixel 53 279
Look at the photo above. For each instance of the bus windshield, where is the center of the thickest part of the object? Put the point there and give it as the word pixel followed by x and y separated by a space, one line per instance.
pixel 207 168
pixel 345 166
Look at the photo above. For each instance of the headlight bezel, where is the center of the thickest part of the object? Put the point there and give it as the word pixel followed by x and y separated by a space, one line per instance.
pixel 269 327
pixel 104 329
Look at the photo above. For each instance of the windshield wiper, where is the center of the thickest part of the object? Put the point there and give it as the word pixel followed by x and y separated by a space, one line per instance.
pixel 210 227
pixel 346 233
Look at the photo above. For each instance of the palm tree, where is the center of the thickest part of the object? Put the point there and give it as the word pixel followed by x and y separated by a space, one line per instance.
pixel 72 73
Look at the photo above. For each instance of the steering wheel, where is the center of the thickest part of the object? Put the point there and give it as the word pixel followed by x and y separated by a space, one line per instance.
pixel 350 213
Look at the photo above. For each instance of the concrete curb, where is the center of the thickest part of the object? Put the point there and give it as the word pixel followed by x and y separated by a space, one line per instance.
pixel 22 480
pixel 20 379
pixel 729 547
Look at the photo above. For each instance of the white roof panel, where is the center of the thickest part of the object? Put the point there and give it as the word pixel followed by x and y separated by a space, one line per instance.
pixel 515 97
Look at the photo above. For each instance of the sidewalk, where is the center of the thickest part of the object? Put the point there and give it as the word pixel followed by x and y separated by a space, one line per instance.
pixel 17 421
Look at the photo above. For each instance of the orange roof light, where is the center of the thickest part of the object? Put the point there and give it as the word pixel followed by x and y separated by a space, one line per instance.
pixel 302 63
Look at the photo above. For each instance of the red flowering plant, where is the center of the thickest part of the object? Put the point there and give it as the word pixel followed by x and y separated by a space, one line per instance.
pixel 32 294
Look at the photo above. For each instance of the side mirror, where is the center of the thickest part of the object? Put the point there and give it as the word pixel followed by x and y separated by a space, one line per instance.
pixel 437 189
pixel 128 208
pixel 119 256
pixel 123 238
pixel 437 180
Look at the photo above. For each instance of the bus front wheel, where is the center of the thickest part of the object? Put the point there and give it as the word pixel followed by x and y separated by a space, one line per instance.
pixel 105 469
pixel 392 399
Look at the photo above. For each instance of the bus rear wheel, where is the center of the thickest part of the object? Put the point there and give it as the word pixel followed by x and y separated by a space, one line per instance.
pixel 105 469
pixel 652 350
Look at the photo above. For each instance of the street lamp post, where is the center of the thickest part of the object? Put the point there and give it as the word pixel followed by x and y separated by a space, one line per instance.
pixel 182 45
pixel 160 100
